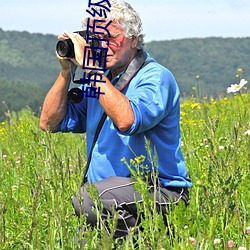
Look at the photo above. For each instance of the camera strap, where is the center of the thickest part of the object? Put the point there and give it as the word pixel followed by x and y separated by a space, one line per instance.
pixel 136 64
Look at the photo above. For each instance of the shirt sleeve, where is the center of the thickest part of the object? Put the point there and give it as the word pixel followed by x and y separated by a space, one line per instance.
pixel 153 97
pixel 75 118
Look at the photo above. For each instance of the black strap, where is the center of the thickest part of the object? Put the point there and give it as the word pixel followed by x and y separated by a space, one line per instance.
pixel 137 63
pixel 97 132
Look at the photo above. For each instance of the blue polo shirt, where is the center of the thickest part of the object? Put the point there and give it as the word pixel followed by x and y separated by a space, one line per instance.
pixel 154 98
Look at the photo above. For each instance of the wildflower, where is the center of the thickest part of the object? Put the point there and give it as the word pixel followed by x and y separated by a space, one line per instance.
pixel 242 248
pixel 132 162
pixel 137 159
pixel 198 182
pixel 71 167
pixel 237 87
pixel 240 70
pixel 45 216
pixel 216 241
pixel 230 244
pixel 248 230
pixel 247 133
pixel 195 106
pixel 221 147
pixel 123 160
pixel 192 240
pixel 14 188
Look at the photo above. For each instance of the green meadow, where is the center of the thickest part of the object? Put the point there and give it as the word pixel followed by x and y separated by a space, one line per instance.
pixel 40 172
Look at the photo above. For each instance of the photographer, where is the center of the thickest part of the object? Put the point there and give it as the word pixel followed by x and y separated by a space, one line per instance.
pixel 141 100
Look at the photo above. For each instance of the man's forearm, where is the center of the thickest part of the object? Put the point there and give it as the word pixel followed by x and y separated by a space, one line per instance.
pixel 55 103
pixel 116 105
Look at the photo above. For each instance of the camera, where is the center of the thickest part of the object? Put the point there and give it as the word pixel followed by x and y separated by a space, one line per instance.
pixel 75 95
pixel 65 48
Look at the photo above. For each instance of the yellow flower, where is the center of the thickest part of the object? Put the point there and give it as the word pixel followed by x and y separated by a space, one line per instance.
pixel 240 70
pixel 138 160
pixel 132 162
pixel 195 105
pixel 183 113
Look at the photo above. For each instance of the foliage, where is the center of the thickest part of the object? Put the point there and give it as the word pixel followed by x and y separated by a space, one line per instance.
pixel 204 64
pixel 208 62
pixel 40 172
pixel 28 68
pixel 14 95
pixel 28 58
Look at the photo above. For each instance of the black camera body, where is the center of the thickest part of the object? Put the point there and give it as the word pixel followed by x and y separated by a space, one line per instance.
pixel 65 48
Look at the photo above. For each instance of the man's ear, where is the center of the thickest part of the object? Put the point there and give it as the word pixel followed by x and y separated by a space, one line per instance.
pixel 134 42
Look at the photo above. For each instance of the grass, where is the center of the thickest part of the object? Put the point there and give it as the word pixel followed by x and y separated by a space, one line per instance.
pixel 40 172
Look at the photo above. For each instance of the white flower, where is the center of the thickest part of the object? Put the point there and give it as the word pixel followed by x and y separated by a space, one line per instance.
pixel 14 188
pixel 242 248
pixel 247 133
pixel 217 241
pixel 192 240
pixel 22 210
pixel 248 230
pixel 237 87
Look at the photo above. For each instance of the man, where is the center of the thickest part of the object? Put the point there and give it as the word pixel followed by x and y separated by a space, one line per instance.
pixel 141 100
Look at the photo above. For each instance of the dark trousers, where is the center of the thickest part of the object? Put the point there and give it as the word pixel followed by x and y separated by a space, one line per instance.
pixel 119 194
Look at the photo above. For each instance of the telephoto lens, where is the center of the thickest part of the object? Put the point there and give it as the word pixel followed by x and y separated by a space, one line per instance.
pixel 75 95
pixel 65 48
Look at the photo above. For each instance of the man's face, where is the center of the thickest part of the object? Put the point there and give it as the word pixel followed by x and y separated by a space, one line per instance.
pixel 120 48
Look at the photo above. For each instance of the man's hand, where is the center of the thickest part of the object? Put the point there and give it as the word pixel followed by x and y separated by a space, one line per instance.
pixel 79 47
pixel 66 63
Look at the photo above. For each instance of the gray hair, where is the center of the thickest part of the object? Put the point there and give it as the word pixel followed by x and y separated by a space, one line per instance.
pixel 126 17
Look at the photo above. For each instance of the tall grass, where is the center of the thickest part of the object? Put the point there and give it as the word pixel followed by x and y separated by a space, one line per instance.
pixel 40 172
